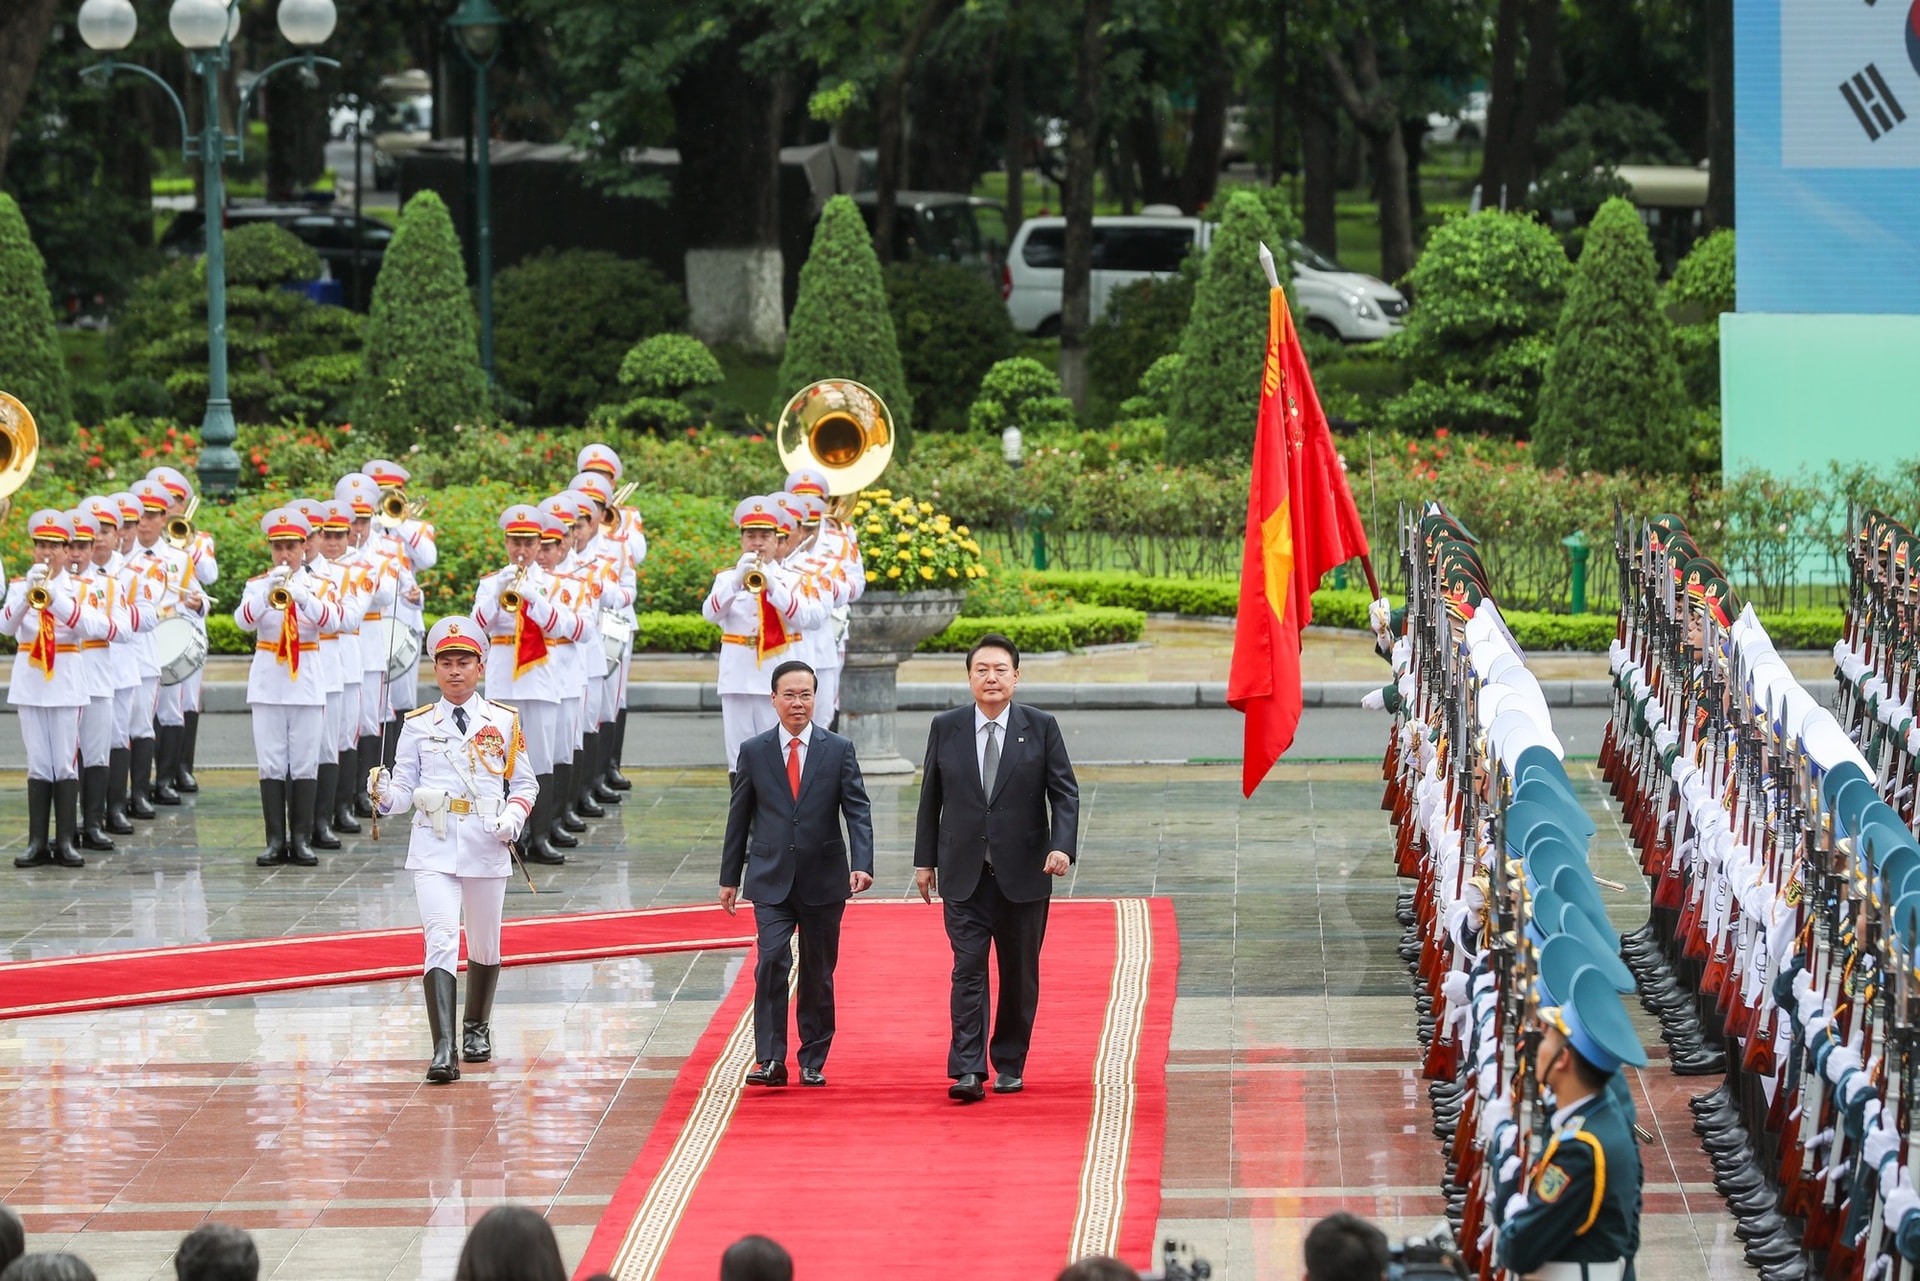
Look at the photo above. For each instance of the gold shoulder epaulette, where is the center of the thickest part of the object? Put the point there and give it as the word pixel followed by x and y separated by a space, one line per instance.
pixel 419 711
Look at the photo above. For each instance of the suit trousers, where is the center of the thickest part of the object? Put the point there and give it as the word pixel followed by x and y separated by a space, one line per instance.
pixel 441 895
pixel 96 731
pixel 741 717
pixel 169 705
pixel 52 736
pixel 286 740
pixel 819 927
pixel 1014 932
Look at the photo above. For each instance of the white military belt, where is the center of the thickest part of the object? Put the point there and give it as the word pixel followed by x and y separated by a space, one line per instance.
pixel 1613 1271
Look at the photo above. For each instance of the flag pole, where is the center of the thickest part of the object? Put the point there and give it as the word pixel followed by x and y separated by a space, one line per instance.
pixel 1273 281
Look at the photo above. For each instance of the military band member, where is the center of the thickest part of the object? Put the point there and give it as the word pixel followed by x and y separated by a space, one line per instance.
pixel 355 592
pixel 130 617
pixel 285 691
pixel 168 582
pixel 615 576
pixel 627 534
pixel 817 561
pixel 96 666
pixel 835 542
pixel 757 625
pixel 514 609
pixel 570 667
pixel 597 595
pixel 47 687
pixel 412 540
pixel 205 570
pixel 464 769
pixel 388 582
pixel 132 707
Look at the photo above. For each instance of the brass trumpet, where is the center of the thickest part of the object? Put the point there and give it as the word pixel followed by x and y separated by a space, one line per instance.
pixel 754 577
pixel 396 511
pixel 279 597
pixel 511 598
pixel 179 530
pixel 38 597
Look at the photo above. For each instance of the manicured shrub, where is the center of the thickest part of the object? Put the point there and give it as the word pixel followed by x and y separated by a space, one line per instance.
pixel 1140 327
pixel 659 633
pixel 841 327
pixel 1200 597
pixel 31 368
pixel 1701 291
pixel 951 327
pixel 563 320
pixel 1042 633
pixel 1487 295
pixel 1216 393
pixel 421 373
pixel 1022 393
pixel 663 369
pixel 1612 399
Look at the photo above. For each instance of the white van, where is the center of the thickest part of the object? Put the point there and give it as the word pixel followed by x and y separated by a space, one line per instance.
pixel 1336 302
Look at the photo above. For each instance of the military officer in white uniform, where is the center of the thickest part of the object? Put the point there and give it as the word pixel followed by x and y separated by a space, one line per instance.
pixel 463 767
pixel 96 666
pixel 204 569
pixel 48 688
pixel 132 706
pixel 167 580
pixel 387 580
pixel 413 540
pixel 131 617
pixel 570 666
pixel 606 561
pixel 285 691
pixel 626 534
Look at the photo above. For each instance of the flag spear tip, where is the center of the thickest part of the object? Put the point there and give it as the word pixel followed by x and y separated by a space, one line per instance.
pixel 1266 263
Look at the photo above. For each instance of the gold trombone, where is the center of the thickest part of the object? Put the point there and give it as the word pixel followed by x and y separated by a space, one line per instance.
pixel 620 496
pixel 179 530
pixel 396 511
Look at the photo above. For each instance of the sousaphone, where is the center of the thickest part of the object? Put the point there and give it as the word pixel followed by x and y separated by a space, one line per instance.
pixel 841 429
pixel 19 448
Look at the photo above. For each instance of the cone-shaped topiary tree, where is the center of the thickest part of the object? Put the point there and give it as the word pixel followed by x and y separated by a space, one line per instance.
pixel 1216 393
pixel 1612 399
pixel 841 327
pixel 421 372
pixel 31 367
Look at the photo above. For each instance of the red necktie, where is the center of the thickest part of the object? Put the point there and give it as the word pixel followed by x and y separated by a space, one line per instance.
pixel 793 766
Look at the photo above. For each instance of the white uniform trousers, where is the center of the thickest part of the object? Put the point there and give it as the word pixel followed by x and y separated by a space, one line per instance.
pixel 190 690
pixel 141 726
pixel 52 736
pixel 540 721
pixel 441 896
pixel 614 693
pixel 593 713
pixel 376 704
pixel 330 729
pixel 96 731
pixel 349 728
pixel 741 717
pixel 576 729
pixel 123 701
pixel 168 706
pixel 826 696
pixel 286 740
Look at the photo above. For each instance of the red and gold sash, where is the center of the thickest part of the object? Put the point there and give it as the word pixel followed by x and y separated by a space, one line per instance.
pixel 40 653
pixel 529 643
pixel 774 636
pixel 287 649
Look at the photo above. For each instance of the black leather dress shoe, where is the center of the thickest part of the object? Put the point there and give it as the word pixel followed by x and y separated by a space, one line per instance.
pixel 1008 1083
pixel 970 1088
pixel 771 1072
pixel 1793 1269
pixel 812 1076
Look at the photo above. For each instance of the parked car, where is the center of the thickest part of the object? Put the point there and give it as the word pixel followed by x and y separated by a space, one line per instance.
pixel 331 232
pixel 944 226
pixel 1467 124
pixel 1335 302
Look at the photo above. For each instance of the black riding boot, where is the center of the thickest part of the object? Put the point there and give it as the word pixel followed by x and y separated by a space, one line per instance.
pixel 389 742
pixel 93 808
pixel 583 803
pixel 139 798
pixel 563 793
pixel 558 833
pixel 322 832
pixel 441 1005
pixel 598 766
pixel 119 765
pixel 343 819
pixel 535 847
pixel 273 807
pixel 301 799
pixel 39 851
pixel 168 760
pixel 183 779
pixel 476 1041
pixel 66 823
pixel 367 753
pixel 615 779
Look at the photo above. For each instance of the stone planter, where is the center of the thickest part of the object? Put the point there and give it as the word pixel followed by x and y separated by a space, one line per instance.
pixel 882 630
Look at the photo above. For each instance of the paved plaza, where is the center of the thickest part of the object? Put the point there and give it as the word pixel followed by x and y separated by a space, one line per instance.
pixel 1294 1082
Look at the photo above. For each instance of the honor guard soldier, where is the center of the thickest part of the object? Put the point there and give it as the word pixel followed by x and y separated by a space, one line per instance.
pixel 204 569
pixel 94 589
pixel 285 693
pixel 412 539
pixel 44 612
pixel 167 575
pixel 1579 1216
pixel 464 769
pixel 130 618
pixel 516 612
pixel 623 528
pixel 760 615
pixel 607 563
pixel 386 578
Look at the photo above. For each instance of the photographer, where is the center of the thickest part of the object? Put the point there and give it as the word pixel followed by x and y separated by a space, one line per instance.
pixel 1345 1247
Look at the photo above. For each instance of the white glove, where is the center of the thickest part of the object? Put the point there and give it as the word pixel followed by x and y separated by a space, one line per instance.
pixel 1882 1141
pixel 746 561
pixel 1515 1204
pixel 1900 1201
pixel 507 824
pixel 381 785
pixel 37 574
pixel 1379 615
pixel 303 596
pixel 1374 700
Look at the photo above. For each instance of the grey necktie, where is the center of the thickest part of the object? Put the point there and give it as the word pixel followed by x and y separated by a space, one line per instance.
pixel 460 719
pixel 990 762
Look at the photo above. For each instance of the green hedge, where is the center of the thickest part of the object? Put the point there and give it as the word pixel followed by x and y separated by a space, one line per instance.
pixel 1805 628
pixel 1040 633
pixel 675 634
pixel 1205 597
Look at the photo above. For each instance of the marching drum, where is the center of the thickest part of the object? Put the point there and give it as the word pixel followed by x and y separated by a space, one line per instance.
pixel 403 648
pixel 180 649
pixel 616 636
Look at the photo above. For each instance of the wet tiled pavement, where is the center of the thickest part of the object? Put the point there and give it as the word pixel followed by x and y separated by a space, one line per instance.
pixel 1294 1084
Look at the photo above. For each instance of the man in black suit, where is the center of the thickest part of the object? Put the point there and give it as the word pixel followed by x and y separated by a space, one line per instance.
pixel 993 772
pixel 790 789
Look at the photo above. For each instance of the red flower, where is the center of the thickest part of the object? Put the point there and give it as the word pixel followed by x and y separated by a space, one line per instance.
pixel 1440 433
pixel 263 471
pixel 1412 448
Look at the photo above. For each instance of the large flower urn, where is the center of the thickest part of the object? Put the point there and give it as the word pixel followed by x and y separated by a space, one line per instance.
pixel 883 628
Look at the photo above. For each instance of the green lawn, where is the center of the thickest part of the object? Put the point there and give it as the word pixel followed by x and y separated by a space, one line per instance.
pixel 752 381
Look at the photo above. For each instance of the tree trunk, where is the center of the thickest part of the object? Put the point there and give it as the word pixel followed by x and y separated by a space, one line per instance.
pixel 1201 174
pixel 1719 210
pixel 1413 133
pixel 949 103
pixel 1076 289
pixel 127 165
pixel 890 106
pixel 1119 172
pixel 1015 146
pixel 1277 156
pixel 1319 141
pixel 1500 95
pixel 1143 140
pixel 1376 115
pixel 296 135
pixel 1540 98
pixel 24 28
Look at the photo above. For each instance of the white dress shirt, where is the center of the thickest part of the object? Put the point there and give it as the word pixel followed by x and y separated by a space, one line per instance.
pixel 980 722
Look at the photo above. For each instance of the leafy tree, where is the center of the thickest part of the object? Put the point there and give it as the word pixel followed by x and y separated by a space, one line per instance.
pixel 1142 323
pixel 951 326
pixel 1612 399
pixel 31 367
pixel 421 374
pixel 1216 397
pixel 1701 291
pixel 1022 393
pixel 1588 142
pixel 1490 289
pixel 662 369
pixel 563 320
pixel 841 327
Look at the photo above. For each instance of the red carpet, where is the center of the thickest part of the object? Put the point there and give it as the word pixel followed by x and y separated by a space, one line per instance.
pixel 69 984
pixel 878 1174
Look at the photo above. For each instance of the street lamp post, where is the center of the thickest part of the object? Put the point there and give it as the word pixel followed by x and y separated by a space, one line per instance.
pixel 476 27
pixel 205 28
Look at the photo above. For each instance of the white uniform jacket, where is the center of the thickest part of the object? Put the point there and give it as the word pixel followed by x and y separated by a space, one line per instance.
pixel 163 575
pixel 455 782
pixel 384 575
pixel 545 680
pixel 736 612
pixel 132 617
pixel 270 680
pixel 65 685
pixel 96 657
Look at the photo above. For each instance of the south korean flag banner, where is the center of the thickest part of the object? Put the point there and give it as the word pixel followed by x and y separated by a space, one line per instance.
pixel 1850 84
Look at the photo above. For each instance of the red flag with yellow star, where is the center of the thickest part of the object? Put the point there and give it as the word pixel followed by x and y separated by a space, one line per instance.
pixel 1301 522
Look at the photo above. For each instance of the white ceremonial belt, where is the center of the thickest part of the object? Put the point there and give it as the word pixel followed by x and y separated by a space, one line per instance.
pixel 1613 1271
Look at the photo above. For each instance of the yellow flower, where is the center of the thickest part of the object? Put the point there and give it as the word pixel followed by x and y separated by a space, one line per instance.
pixel 909 519
pixel 926 509
pixel 972 546
pixel 903 554
pixel 926 553
pixel 926 571
pixel 962 529
pixel 872 577
pixel 903 537
pixel 952 572
pixel 875 527
pixel 894 572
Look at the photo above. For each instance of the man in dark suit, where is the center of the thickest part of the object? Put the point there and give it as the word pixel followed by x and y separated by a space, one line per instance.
pixel 792 785
pixel 994 771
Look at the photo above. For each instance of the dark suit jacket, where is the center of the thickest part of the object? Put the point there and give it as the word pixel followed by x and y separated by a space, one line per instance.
pixel 959 822
pixel 789 848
